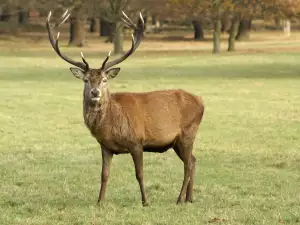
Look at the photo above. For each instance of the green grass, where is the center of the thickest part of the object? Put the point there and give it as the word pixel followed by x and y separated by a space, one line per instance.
pixel 247 148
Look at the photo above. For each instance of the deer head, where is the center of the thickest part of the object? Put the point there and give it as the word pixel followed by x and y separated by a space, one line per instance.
pixel 96 79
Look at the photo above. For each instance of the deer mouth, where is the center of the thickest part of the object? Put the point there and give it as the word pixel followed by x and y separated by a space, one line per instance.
pixel 95 99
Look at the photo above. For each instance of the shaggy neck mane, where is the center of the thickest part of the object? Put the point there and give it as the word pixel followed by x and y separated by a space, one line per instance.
pixel 94 112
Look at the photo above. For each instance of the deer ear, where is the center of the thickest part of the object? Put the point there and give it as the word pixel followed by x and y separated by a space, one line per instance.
pixel 112 73
pixel 78 73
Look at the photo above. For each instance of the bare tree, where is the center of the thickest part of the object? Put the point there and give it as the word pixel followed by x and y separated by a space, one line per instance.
pixel 235 22
pixel 80 11
pixel 193 11
pixel 77 21
pixel 111 12
pixel 15 13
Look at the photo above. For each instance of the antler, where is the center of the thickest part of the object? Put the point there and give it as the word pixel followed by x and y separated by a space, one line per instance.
pixel 136 40
pixel 54 42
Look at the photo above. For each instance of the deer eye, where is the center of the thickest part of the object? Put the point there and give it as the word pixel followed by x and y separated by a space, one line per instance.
pixel 85 80
pixel 104 80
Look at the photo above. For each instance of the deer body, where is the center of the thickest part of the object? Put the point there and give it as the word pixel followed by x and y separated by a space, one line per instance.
pixel 152 120
pixel 136 122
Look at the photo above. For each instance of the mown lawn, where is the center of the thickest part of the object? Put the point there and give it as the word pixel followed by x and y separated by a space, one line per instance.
pixel 247 148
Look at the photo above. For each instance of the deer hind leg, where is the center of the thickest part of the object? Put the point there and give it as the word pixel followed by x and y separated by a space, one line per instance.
pixel 184 150
pixel 106 163
pixel 189 193
pixel 137 156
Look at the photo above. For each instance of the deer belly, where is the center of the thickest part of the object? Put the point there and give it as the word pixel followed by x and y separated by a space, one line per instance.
pixel 115 146
pixel 157 140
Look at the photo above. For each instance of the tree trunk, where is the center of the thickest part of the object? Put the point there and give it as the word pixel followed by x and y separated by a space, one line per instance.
pixel 109 32
pixel 97 25
pixel 111 36
pixel 226 25
pixel 198 30
pixel 23 16
pixel 217 35
pixel 119 37
pixel 153 19
pixel 145 18
pixel 157 24
pixel 92 25
pixel 105 28
pixel 9 16
pixel 233 31
pixel 277 23
pixel 11 19
pixel 244 30
pixel 77 32
pixel 287 27
pixel 5 15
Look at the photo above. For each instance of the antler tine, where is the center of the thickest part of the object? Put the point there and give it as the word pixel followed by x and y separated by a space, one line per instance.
pixel 124 14
pixel 106 59
pixel 128 21
pixel 84 60
pixel 141 26
pixel 48 20
pixel 142 20
pixel 49 15
pixel 64 18
pixel 65 13
pixel 136 39
pixel 54 43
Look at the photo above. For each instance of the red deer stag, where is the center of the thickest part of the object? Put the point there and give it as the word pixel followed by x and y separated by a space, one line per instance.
pixel 136 122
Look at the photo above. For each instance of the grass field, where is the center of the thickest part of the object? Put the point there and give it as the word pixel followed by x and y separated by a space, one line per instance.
pixel 247 148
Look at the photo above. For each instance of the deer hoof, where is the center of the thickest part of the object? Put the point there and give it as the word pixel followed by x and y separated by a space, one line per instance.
pixel 179 201
pixel 99 202
pixel 189 200
pixel 145 204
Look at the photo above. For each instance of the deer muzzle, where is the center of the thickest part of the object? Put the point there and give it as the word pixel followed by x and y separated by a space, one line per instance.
pixel 95 94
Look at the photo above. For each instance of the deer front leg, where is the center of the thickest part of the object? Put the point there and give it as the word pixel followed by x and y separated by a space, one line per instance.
pixel 106 163
pixel 137 156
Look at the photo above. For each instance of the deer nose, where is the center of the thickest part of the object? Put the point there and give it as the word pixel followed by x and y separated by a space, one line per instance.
pixel 95 92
